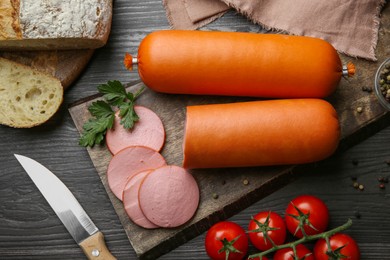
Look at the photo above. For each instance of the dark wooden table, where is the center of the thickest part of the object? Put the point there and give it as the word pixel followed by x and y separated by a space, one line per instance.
pixel 29 229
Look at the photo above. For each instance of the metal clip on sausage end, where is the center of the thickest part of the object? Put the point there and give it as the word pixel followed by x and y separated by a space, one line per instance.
pixel 349 70
pixel 129 61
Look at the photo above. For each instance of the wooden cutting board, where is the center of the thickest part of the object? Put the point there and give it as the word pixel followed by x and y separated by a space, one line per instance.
pixel 228 184
pixel 64 65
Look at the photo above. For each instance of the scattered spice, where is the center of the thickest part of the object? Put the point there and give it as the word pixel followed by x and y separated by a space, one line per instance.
pixel 355 161
pixel 359 109
pixel 367 89
pixel 361 187
pixel 357 214
pixel 215 196
pixel 382 181
pixel 245 182
pixel 356 185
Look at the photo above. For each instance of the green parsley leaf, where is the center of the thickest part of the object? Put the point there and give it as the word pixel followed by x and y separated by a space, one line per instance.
pixel 103 118
pixel 128 115
pixel 114 92
pixel 100 109
pixel 95 129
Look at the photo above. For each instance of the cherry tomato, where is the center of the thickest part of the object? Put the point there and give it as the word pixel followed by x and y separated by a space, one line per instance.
pixel 342 246
pixel 270 224
pixel 309 212
pixel 224 238
pixel 288 254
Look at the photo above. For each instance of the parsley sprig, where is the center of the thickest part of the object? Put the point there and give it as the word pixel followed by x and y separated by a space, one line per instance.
pixel 103 115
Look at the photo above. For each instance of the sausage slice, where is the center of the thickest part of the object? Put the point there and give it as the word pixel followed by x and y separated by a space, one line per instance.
pixel 128 162
pixel 169 196
pixel 148 131
pixel 131 203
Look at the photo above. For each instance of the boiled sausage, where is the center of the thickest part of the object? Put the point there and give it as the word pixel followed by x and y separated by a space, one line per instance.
pixel 148 131
pixel 169 196
pixel 260 133
pixel 128 162
pixel 131 203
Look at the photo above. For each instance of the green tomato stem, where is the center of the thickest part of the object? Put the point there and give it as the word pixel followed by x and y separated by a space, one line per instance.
pixel 305 239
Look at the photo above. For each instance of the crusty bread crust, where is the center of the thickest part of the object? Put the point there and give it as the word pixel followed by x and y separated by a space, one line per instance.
pixel 48 25
pixel 27 97
pixel 9 20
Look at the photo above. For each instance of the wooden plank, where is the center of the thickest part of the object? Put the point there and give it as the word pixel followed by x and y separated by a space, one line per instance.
pixel 234 196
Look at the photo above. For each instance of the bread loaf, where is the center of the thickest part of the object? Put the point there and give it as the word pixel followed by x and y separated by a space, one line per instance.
pixel 56 24
pixel 27 97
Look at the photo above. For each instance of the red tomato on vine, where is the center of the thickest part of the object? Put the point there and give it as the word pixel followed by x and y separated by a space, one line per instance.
pixel 267 229
pixel 226 240
pixel 342 246
pixel 288 254
pixel 307 212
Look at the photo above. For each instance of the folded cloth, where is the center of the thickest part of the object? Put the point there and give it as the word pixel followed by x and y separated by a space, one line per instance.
pixel 350 26
pixel 190 14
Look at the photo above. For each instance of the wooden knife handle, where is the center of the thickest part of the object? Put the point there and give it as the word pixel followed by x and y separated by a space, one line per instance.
pixel 95 247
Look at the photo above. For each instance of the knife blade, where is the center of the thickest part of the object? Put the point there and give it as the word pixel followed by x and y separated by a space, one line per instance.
pixel 67 208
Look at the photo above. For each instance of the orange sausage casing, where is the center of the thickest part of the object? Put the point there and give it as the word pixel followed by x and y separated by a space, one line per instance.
pixel 260 133
pixel 238 64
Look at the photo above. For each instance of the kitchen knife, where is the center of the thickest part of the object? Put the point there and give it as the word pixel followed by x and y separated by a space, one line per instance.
pixel 68 209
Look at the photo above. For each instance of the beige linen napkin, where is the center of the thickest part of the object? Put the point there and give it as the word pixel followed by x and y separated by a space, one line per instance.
pixel 350 26
pixel 192 14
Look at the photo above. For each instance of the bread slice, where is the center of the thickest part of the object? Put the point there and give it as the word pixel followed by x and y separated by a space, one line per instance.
pixel 27 97
pixel 65 24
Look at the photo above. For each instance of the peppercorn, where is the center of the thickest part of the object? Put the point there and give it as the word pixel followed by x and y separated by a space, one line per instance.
pixel 356 185
pixel 245 182
pixel 215 196
pixel 361 187
pixel 384 82
pixel 357 214
pixel 359 109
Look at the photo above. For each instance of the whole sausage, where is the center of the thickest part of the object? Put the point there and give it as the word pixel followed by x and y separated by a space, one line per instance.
pixel 260 133
pixel 238 64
